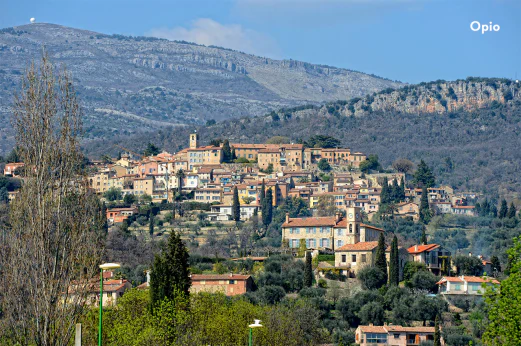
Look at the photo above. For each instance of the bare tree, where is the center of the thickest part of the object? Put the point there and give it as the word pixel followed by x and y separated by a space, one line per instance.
pixel 52 248
pixel 403 165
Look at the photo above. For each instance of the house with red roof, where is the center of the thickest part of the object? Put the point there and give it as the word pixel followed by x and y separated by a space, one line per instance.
pixel 465 285
pixel 229 284
pixel 434 256
pixel 393 335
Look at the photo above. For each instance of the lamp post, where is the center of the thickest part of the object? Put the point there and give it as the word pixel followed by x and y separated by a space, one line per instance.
pixel 254 325
pixel 102 267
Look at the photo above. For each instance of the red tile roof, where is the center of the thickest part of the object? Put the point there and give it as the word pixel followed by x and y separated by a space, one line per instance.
pixel 421 248
pixel 361 246
pixel 311 222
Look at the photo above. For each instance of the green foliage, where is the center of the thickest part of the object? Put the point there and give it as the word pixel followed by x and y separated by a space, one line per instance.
pixel 511 211
pixel 267 208
pixel 151 225
pixel 423 239
pixel 151 150
pixel 503 210
pixel 170 272
pixel 370 164
pixel 504 304
pixel 411 268
pixel 308 271
pixel 323 165
pixel 380 260
pixel 468 265
pixel 129 198
pixel 425 210
pixel 227 151
pixel 371 277
pixel 424 280
pixel 423 176
pixel 113 194
pixel 242 160
pixel 322 141
pixel 394 263
pixel 236 206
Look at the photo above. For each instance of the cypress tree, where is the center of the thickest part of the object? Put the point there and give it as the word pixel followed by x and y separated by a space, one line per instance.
pixel 151 224
pixel 493 210
pixel 236 207
pixel 423 239
pixel 104 216
pixel 425 212
pixel 385 193
pixel 170 274
pixel 511 211
pixel 437 335
pixel 402 189
pixel 395 192
pixel 308 271
pixel 380 261
pixel 485 208
pixel 262 193
pixel 503 210
pixel 394 264
pixel 267 209
pixel 227 151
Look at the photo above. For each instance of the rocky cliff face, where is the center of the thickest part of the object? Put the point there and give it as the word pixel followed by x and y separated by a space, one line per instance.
pixel 436 97
pixel 136 82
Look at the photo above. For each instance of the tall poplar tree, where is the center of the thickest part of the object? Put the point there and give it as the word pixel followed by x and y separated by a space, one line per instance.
pixel 151 224
pixel 236 207
pixel 380 261
pixel 394 264
pixel 170 274
pixel 385 194
pixel 423 239
pixel 511 211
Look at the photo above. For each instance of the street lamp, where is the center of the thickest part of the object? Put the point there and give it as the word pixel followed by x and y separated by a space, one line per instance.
pixel 254 325
pixel 102 267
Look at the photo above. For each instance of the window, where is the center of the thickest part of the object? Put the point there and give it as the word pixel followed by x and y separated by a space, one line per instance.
pixel 364 258
pixel 291 231
pixel 344 258
pixel 231 282
pixel 339 232
pixel 457 287
pixel 396 336
pixel 353 258
pixel 375 338
pixel 339 243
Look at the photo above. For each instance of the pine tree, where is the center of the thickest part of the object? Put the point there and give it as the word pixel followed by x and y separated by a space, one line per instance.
pixel 308 271
pixel 394 264
pixel 437 335
pixel 267 209
pixel 425 212
pixel 236 207
pixel 380 261
pixel 511 211
pixel 423 176
pixel 423 239
pixel 170 274
pixel 151 224
pixel 503 210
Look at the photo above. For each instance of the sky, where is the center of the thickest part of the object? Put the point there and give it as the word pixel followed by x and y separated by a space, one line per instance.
pixel 406 40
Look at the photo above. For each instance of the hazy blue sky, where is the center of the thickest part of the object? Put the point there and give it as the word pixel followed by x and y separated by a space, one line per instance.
pixel 408 40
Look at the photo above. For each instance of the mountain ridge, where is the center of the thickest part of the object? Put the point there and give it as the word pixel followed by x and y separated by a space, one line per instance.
pixel 175 82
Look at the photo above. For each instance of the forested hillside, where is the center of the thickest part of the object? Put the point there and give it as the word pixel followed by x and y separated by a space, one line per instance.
pixel 473 146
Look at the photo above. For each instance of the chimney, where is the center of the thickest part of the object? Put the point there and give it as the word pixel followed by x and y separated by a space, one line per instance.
pixel 370 324
pixel 287 217
pixel 338 217
pixel 231 275
pixel 470 254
